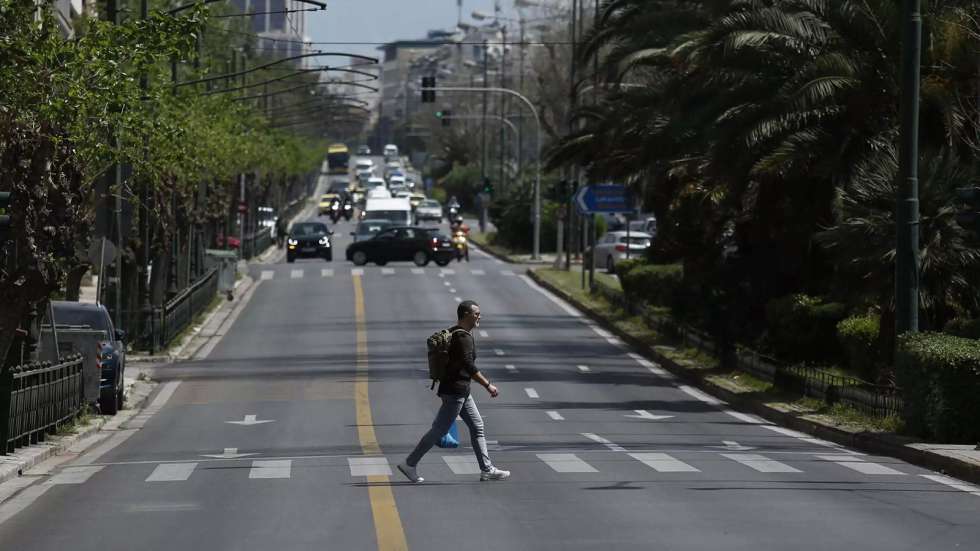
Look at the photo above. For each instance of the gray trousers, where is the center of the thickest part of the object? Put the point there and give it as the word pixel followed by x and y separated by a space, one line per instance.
pixel 453 406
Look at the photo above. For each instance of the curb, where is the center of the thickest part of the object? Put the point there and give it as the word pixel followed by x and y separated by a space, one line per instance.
pixel 493 253
pixel 865 441
pixel 57 445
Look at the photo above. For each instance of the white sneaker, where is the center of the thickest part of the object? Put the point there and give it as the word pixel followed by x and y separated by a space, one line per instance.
pixel 494 474
pixel 410 473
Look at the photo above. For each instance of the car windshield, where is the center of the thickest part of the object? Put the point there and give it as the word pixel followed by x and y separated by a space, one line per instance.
pixel 308 230
pixel 430 204
pixel 368 227
pixel 390 215
pixel 88 317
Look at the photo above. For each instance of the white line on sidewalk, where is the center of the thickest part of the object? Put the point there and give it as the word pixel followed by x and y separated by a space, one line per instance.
pixel 555 416
pixel 369 466
pixel 760 463
pixel 270 469
pixel 462 464
pixel 531 393
pixel 566 463
pixel 583 368
pixel 172 472
pixel 596 438
pixel 663 463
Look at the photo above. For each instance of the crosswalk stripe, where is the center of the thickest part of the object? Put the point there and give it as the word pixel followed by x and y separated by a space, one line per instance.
pixel 447 271
pixel 531 393
pixel 477 272
pixel 278 468
pixel 74 475
pixel 663 463
pixel 462 464
pixel 566 463
pixel 498 352
pixel 860 465
pixel 583 368
pixel 296 274
pixel 506 272
pixel 511 368
pixel 418 271
pixel 267 274
pixel 357 271
pixel 171 472
pixel 761 463
pixel 555 416
pixel 326 272
pixel 387 271
pixel 369 466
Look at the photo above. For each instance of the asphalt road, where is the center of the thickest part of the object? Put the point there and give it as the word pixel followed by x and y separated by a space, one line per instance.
pixel 606 450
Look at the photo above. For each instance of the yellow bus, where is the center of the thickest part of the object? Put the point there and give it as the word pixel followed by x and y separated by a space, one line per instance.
pixel 338 158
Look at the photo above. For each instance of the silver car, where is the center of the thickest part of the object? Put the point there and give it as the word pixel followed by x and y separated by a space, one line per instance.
pixel 430 209
pixel 613 247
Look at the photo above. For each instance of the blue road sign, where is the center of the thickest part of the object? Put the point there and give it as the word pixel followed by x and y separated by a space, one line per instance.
pixel 611 198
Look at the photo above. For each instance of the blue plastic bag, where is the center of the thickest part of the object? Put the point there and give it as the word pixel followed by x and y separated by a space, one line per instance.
pixel 451 438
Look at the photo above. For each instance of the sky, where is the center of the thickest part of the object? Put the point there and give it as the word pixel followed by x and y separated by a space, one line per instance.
pixel 387 20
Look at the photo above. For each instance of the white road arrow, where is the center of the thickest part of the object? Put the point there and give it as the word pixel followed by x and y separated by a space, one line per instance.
pixel 731 445
pixel 251 420
pixel 230 453
pixel 644 414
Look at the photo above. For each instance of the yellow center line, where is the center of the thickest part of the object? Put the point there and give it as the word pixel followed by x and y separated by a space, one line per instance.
pixel 387 522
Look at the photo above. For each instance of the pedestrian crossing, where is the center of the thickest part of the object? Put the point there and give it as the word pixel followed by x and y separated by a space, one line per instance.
pixel 533 465
pixel 326 273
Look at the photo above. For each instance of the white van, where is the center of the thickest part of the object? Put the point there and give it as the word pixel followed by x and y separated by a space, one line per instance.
pixel 397 211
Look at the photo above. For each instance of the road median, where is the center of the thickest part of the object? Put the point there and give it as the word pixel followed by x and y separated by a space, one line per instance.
pixel 960 461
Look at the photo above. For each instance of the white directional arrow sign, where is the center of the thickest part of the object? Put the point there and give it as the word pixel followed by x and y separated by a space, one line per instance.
pixel 644 414
pixel 230 453
pixel 734 446
pixel 251 420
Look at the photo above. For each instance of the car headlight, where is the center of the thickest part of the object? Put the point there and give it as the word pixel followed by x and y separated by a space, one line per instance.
pixel 293 241
pixel 325 241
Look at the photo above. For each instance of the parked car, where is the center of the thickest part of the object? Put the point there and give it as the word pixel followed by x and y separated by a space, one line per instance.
pixel 612 247
pixel 111 352
pixel 309 240
pixel 368 228
pixel 429 209
pixel 420 245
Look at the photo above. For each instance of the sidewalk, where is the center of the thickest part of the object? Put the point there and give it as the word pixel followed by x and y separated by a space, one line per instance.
pixel 960 461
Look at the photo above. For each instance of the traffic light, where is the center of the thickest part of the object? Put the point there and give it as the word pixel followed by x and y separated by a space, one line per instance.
pixel 447 117
pixel 487 187
pixel 969 218
pixel 5 219
pixel 428 95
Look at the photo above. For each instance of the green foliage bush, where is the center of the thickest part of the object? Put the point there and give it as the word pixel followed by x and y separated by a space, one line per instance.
pixel 802 328
pixel 963 327
pixel 511 214
pixel 858 337
pixel 652 283
pixel 940 379
pixel 624 267
pixel 439 194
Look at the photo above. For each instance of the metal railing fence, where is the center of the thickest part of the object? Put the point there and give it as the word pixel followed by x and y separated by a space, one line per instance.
pixel 35 399
pixel 180 311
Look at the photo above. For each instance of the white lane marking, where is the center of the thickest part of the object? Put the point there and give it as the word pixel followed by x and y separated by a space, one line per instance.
pixel 228 453
pixel 279 468
pixel 387 271
pixel 734 446
pixel 555 416
pixel 451 290
pixel 953 483
pixel 566 463
pixel 74 475
pixel 296 274
pixel 457 299
pixel 511 368
pixel 326 272
pixel 477 272
pixel 663 463
pixel 418 271
pixel 644 414
pixel 531 393
pixel 583 368
pixel 357 271
pixel 137 422
pixel 809 439
pixel 700 395
pixel 447 271
pixel 507 272
pixel 744 417
pixel 484 334
pixel 761 463
pixel 614 341
pixel 368 466
pixel 596 438
pixel 498 351
pixel 267 274
pixel 250 420
pixel 446 283
pixel 172 472
pixel 462 464
pixel 653 367
pixel 557 301
pixel 859 465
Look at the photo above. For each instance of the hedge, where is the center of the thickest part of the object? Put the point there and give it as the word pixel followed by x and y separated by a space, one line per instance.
pixel 939 376
pixel 858 337
pixel 963 327
pixel 652 283
pixel 804 328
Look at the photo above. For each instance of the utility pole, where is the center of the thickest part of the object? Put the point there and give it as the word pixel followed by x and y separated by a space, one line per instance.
pixel 572 102
pixel 483 124
pixel 503 100
pixel 907 208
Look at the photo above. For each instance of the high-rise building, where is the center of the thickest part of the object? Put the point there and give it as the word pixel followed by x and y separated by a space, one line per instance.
pixel 283 34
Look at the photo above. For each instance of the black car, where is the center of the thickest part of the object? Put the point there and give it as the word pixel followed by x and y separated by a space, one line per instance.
pixel 420 245
pixel 309 240
pixel 112 352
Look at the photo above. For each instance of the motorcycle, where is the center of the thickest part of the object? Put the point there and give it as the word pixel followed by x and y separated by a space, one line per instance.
pixel 335 211
pixel 461 245
pixel 348 210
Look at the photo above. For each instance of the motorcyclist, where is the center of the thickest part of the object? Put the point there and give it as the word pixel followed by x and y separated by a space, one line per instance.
pixel 335 209
pixel 347 207
pixel 461 232
pixel 452 207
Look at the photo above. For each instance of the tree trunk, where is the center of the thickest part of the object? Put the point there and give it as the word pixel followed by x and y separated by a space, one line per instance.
pixel 73 282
